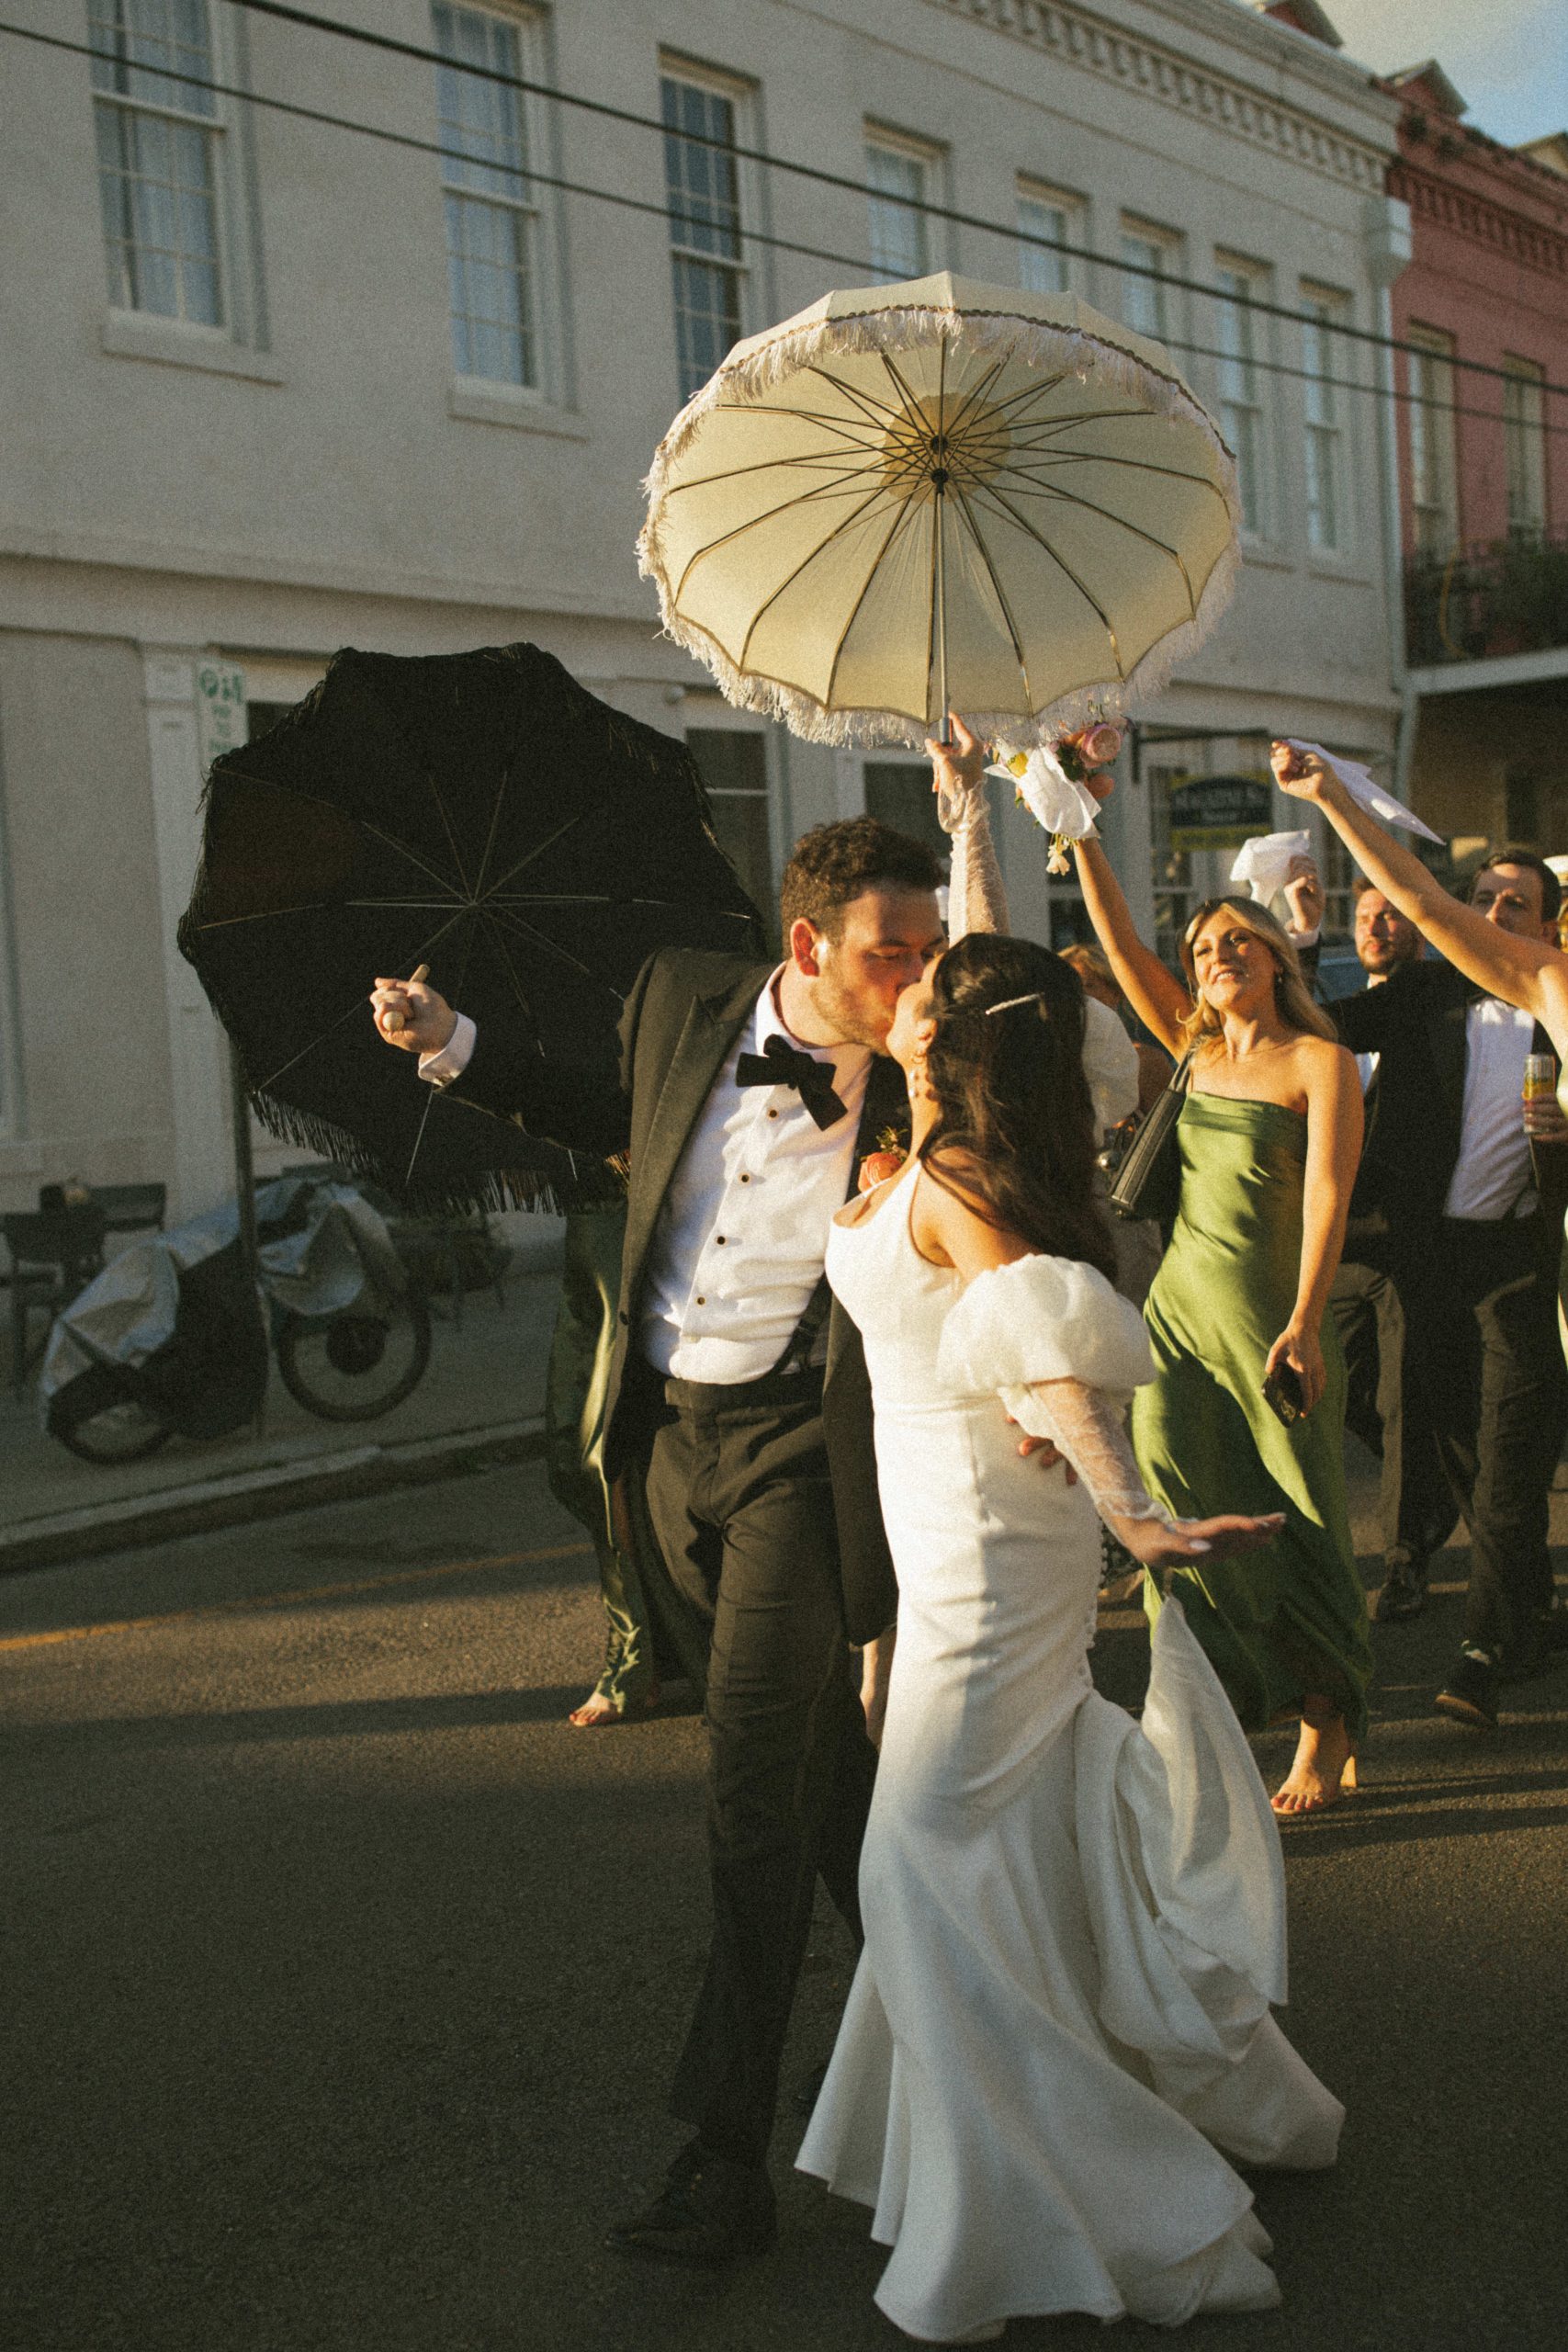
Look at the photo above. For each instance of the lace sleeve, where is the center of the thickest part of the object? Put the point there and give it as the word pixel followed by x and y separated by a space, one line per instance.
pixel 977 899
pixel 1086 1426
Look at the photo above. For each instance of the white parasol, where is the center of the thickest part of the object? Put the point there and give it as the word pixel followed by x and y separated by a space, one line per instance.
pixel 941 495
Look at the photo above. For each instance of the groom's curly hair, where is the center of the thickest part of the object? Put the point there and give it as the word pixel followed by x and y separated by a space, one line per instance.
pixel 1014 1138
pixel 833 863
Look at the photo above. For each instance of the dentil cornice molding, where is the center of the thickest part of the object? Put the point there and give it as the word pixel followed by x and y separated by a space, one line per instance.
pixel 1097 47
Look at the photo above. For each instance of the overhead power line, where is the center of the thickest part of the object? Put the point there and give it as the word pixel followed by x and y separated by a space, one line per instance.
pixel 856 263
pixel 823 178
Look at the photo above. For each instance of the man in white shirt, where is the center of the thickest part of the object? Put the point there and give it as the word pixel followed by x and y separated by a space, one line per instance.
pixel 1448 1166
pixel 750 1097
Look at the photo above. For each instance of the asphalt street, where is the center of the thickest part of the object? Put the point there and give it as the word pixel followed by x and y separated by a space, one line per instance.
pixel 341 1977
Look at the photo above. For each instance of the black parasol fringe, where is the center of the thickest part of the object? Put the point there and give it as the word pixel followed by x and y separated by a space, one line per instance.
pixel 571 1181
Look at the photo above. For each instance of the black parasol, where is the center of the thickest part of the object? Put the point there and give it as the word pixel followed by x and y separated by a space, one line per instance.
pixel 483 814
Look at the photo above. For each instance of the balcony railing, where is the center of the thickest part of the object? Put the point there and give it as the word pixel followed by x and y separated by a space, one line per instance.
pixel 1510 596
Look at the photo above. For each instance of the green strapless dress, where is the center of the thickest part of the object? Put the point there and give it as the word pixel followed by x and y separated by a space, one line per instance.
pixel 1289 1620
pixel 1563 1257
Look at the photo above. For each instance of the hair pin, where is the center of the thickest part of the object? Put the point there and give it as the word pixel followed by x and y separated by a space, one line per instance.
pixel 1035 996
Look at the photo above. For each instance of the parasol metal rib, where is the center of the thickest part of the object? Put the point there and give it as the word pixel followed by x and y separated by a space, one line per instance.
pixel 1022 481
pixel 848 486
pixel 989 490
pixel 851 427
pixel 977 392
pixel 265 1085
pixel 878 410
pixel 901 516
pixel 1000 593
pixel 805 565
pixel 592 810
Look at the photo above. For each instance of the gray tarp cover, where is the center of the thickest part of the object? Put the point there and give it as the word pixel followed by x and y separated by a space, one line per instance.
pixel 340 1257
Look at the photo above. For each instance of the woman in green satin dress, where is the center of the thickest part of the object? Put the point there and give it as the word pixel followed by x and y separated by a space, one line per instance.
pixel 1269 1138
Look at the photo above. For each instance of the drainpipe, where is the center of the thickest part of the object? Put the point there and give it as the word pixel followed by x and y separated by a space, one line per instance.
pixel 1389 248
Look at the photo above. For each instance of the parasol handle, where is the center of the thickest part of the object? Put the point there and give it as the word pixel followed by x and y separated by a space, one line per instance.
pixel 945 732
pixel 394 1021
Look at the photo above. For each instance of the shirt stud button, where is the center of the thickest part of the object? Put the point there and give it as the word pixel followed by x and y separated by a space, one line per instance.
pixel 745 1180
pixel 772 1114
pixel 702 1302
pixel 718 1239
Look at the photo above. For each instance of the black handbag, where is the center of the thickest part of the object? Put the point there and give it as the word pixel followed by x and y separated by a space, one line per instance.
pixel 1148 1182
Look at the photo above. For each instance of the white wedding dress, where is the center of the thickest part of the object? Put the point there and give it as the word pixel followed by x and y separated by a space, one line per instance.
pixel 1074 1921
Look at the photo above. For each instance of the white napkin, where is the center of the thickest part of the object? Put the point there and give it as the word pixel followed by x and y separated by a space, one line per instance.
pixel 1264 862
pixel 1056 804
pixel 1357 781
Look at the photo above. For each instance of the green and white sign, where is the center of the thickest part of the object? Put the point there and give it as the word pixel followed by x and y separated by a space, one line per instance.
pixel 220 708
pixel 1220 812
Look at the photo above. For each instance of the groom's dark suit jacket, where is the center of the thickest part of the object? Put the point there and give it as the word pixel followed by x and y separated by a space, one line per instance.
pixel 684 1013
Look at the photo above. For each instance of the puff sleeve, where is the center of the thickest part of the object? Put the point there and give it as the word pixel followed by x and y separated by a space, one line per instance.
pixel 1064 1351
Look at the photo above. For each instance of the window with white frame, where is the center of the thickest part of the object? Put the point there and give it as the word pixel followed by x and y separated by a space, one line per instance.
pixel 160 165
pixel 733 765
pixel 701 183
pixel 898 177
pixel 1434 481
pixel 1152 256
pixel 1047 221
pixel 494 263
pixel 899 793
pixel 1240 335
pixel 1323 452
pixel 1524 442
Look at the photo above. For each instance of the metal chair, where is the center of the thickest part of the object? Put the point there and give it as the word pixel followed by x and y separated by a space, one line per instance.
pixel 55 1254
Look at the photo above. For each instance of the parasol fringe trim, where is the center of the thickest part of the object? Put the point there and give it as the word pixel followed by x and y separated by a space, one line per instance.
pixel 1038 344
pixel 596 1183
pixel 806 717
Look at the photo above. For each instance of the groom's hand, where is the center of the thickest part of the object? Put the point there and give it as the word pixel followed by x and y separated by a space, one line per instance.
pixel 412 1016
pixel 1049 1454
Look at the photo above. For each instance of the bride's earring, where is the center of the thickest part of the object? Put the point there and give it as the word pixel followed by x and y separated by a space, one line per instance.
pixel 919 1085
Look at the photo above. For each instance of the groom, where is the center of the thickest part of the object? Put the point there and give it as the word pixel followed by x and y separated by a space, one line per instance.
pixel 749 1095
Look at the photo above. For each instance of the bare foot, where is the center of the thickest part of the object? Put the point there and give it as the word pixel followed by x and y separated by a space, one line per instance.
pixel 1324 1770
pixel 599 1708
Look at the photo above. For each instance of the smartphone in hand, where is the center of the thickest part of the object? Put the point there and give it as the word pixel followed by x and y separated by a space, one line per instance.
pixel 1283 1394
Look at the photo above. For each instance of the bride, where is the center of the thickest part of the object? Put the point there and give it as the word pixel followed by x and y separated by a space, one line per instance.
pixel 1074 1922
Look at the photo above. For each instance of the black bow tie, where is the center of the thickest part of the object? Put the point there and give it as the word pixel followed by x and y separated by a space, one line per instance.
pixel 780 1065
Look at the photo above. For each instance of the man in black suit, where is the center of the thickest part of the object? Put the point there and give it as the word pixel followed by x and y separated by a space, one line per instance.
pixel 1393 1210
pixel 749 1096
pixel 1449 1172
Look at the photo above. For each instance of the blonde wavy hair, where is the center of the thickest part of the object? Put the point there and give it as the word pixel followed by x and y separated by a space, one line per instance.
pixel 1292 997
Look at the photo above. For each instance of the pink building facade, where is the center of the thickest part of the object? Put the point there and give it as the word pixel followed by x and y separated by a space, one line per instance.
pixel 1480 311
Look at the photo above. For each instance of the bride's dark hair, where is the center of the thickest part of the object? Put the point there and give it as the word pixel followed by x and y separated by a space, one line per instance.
pixel 1014 1136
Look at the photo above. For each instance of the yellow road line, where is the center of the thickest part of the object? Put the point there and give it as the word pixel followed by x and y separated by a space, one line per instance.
pixel 286 1599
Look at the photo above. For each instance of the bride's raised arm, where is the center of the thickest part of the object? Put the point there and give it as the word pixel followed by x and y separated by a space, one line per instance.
pixel 976 899
pixel 1526 972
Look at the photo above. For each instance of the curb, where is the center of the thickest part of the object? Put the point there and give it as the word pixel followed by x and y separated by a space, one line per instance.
pixel 262 1493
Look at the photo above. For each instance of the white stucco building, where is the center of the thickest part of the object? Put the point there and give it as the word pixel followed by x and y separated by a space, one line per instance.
pixel 275 384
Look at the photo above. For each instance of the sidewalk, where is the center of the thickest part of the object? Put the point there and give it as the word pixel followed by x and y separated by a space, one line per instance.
pixel 481 1400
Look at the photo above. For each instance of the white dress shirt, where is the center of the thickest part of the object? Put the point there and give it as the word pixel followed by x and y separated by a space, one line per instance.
pixel 738 1246
pixel 1492 1174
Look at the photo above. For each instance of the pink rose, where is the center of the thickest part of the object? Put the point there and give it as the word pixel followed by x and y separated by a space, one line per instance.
pixel 1098 745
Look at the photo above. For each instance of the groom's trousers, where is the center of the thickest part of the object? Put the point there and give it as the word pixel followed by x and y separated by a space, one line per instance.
pixel 740 1496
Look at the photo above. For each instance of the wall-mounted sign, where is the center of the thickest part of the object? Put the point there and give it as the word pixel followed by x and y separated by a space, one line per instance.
pixel 1220 812
pixel 220 708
